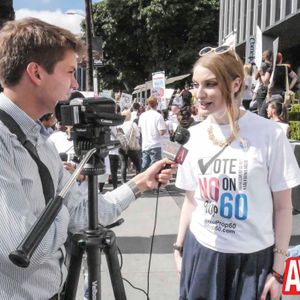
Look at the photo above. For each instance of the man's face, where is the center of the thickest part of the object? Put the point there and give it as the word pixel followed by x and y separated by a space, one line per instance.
pixel 59 84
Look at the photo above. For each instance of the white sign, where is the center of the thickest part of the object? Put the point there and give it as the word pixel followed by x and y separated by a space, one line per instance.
pixel 250 50
pixel 159 87
pixel 258 48
pixel 275 51
pixel 125 101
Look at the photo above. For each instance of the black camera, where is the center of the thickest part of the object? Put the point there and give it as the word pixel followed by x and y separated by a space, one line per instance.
pixel 90 119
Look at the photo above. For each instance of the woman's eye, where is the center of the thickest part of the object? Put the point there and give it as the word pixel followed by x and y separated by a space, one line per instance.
pixel 211 83
pixel 195 85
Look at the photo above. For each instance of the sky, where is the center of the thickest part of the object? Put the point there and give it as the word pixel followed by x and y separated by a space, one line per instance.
pixel 53 11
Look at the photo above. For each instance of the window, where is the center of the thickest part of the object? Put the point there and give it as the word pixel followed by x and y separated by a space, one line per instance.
pixel 251 17
pixel 238 20
pixel 288 7
pixel 245 20
pixel 268 13
pixel 259 8
pixel 298 4
pixel 277 10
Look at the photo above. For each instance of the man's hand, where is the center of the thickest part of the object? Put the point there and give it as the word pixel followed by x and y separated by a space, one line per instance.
pixel 155 174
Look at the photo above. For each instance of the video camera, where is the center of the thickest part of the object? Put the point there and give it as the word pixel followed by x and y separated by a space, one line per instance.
pixel 90 119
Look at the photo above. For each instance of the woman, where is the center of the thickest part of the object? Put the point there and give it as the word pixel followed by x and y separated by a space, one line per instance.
pixel 277 112
pixel 234 191
pixel 129 128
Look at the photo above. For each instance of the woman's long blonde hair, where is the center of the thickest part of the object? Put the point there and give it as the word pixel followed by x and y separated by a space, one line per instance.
pixel 226 67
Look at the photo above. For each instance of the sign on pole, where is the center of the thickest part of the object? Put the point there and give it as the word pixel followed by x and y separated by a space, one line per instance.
pixel 159 87
pixel 250 50
pixel 258 48
pixel 125 101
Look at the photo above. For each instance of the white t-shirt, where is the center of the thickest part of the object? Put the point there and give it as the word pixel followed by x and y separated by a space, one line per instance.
pixel 233 193
pixel 62 144
pixel 150 123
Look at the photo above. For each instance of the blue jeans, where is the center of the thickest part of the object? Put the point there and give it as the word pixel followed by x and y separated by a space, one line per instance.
pixel 150 156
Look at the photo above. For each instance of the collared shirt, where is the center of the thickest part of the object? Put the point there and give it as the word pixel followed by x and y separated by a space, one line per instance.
pixel 22 201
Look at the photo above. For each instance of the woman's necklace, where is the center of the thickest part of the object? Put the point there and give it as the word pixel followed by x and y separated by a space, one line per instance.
pixel 227 141
pixel 219 142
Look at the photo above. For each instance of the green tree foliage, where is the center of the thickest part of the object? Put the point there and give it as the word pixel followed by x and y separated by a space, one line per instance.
pixel 145 36
pixel 6 11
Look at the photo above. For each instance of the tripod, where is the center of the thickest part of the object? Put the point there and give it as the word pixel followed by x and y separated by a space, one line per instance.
pixel 93 240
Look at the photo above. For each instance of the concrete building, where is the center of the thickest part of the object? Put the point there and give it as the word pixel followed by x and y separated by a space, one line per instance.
pixel 276 18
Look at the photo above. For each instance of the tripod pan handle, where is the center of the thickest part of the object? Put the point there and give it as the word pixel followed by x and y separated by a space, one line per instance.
pixel 20 258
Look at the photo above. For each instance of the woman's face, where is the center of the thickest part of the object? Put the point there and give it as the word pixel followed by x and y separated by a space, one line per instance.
pixel 208 94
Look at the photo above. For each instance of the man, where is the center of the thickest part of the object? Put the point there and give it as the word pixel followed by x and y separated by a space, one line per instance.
pixel 152 126
pixel 37 65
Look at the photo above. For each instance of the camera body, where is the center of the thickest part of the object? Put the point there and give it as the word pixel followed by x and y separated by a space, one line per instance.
pixel 90 119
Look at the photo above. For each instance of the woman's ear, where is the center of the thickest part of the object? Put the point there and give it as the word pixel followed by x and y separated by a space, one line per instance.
pixel 236 85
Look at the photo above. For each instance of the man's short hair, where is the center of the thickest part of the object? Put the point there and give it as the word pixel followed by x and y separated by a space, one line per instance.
pixel 32 40
pixel 152 101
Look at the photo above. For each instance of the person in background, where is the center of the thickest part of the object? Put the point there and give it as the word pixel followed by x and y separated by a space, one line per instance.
pixel 43 72
pixel 277 112
pixel 263 76
pixel 152 126
pixel 186 96
pixel 247 94
pixel 169 132
pixel 49 121
pixel 236 219
pixel 195 114
pixel 129 128
pixel 135 112
pixel 279 80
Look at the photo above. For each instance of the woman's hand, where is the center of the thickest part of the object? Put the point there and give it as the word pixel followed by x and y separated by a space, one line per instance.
pixel 272 287
pixel 178 261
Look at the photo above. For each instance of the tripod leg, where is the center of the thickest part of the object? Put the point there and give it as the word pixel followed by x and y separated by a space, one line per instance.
pixel 111 254
pixel 74 271
pixel 94 272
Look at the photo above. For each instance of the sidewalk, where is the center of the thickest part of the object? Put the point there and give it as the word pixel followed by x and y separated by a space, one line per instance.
pixel 133 239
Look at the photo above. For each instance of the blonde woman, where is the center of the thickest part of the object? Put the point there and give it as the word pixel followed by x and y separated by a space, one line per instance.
pixel 236 219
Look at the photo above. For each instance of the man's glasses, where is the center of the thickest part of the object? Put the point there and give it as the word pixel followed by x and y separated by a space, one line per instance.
pixel 219 50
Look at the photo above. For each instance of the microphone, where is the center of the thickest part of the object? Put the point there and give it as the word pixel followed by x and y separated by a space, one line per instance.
pixel 174 150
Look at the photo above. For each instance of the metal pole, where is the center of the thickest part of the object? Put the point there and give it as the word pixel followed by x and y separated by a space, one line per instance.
pixel 89 65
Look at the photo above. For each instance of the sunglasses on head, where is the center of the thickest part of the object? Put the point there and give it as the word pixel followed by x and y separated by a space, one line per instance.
pixel 218 50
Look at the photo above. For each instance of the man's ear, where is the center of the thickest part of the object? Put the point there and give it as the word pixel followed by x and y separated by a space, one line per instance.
pixel 34 72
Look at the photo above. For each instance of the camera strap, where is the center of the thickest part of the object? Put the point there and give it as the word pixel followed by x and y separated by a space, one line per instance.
pixel 47 182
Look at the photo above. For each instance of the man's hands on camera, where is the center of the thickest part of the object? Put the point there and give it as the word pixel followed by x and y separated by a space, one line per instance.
pixel 154 175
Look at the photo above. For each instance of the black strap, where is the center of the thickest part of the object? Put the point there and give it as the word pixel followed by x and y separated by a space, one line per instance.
pixel 47 182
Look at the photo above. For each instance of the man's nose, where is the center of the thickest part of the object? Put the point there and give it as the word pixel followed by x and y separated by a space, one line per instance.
pixel 74 84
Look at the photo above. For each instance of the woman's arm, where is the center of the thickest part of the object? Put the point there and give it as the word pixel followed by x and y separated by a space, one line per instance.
pixel 282 203
pixel 294 78
pixel 282 226
pixel 184 222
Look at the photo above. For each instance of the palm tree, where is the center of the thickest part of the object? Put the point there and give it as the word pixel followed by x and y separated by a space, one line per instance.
pixel 6 11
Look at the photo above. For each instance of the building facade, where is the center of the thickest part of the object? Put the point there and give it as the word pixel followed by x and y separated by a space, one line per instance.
pixel 276 18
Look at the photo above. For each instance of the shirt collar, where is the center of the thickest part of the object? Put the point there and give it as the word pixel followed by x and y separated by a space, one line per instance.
pixel 30 127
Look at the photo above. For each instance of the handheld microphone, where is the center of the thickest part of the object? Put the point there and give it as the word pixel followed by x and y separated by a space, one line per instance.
pixel 174 150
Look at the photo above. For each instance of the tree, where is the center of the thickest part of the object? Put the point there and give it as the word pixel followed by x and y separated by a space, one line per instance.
pixel 145 36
